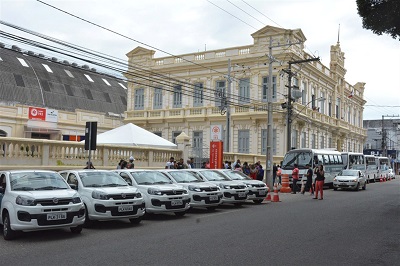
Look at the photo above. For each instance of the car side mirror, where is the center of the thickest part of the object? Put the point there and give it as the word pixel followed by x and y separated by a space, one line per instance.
pixel 73 186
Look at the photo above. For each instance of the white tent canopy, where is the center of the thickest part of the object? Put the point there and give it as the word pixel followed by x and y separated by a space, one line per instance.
pixel 132 135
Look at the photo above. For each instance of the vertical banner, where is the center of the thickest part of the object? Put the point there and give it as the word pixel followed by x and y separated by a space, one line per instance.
pixel 90 136
pixel 216 154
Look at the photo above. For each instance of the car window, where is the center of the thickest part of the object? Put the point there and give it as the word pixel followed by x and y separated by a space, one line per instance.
pixel 37 181
pixel 235 175
pixel 150 178
pixel 72 179
pixel 214 176
pixel 185 177
pixel 101 179
pixel 127 178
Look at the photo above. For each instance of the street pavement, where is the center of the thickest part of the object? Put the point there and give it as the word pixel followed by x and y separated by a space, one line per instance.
pixel 346 228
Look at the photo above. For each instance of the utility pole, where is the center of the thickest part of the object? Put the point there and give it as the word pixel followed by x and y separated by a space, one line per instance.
pixel 270 130
pixel 289 101
pixel 228 109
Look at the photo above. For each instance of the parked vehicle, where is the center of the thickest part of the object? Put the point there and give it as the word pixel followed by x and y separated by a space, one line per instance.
pixel 106 195
pixel 391 173
pixel 37 200
pixel 257 189
pixel 161 195
pixel 372 169
pixel 350 179
pixel 233 191
pixel 202 194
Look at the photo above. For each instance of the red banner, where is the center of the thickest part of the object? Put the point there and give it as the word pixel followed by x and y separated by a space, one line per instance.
pixel 216 154
pixel 36 113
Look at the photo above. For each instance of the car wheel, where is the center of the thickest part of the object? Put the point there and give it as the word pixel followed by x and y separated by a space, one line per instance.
pixel 180 214
pixel 335 188
pixel 357 187
pixel 135 220
pixel 212 208
pixel 365 186
pixel 259 201
pixel 76 230
pixel 8 233
pixel 88 222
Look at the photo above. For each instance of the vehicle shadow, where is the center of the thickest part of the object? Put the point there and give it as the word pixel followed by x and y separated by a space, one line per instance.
pixel 45 235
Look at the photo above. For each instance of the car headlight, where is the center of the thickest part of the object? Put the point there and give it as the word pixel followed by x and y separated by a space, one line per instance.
pixel 99 195
pixel 76 199
pixel 249 185
pixel 138 195
pixel 227 186
pixel 185 191
pixel 335 179
pixel 152 191
pixel 25 201
pixel 354 180
pixel 194 188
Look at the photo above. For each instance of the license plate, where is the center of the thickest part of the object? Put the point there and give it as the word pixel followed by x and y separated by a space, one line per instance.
pixel 56 216
pixel 343 184
pixel 261 192
pixel 127 208
pixel 176 202
pixel 213 198
pixel 242 194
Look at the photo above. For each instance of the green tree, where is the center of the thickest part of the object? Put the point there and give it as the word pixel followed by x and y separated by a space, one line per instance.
pixel 380 16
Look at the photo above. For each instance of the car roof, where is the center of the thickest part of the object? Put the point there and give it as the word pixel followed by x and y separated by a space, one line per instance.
pixel 28 171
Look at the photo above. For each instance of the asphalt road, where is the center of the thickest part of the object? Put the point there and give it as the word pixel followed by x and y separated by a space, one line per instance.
pixel 346 228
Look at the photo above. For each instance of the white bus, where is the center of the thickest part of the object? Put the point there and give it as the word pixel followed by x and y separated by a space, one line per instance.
pixel 371 167
pixel 354 160
pixel 330 159
pixel 383 164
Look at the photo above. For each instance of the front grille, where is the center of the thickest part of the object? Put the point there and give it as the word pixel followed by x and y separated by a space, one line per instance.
pixel 238 187
pixel 172 192
pixel 258 185
pixel 208 189
pixel 53 201
pixel 121 196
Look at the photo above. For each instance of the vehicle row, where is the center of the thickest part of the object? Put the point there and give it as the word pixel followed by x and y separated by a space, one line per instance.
pixel 38 199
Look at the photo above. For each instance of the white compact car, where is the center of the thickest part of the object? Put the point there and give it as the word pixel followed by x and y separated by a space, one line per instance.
pixel 106 195
pixel 33 200
pixel 202 194
pixel 161 195
pixel 233 191
pixel 257 189
pixel 350 179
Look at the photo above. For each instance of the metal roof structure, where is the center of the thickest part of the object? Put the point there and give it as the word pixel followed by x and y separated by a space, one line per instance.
pixel 32 79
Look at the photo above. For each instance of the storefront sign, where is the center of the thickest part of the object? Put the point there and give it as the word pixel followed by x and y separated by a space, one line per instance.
pixel 44 114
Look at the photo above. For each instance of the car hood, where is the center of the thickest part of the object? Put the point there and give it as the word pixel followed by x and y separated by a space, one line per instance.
pixel 117 190
pixel 162 187
pixel 251 182
pixel 46 194
pixel 230 183
pixel 346 177
pixel 199 184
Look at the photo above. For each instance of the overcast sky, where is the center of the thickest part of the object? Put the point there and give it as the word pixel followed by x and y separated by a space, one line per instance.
pixel 186 26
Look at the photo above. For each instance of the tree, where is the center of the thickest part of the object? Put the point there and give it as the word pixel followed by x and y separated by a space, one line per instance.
pixel 380 16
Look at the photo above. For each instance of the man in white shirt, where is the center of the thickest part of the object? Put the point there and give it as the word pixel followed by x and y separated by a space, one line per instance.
pixel 170 164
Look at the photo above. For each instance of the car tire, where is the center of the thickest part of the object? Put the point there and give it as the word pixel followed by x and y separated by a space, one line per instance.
pixel 365 186
pixel 180 214
pixel 8 233
pixel 212 208
pixel 135 220
pixel 335 188
pixel 76 230
pixel 88 222
pixel 259 201
pixel 357 187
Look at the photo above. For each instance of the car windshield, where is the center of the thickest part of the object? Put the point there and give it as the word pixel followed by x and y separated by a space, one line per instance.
pixel 185 177
pixel 211 175
pixel 300 157
pixel 101 179
pixel 236 175
pixel 348 173
pixel 150 178
pixel 37 181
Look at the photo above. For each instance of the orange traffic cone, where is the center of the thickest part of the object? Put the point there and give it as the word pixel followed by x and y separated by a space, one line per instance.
pixel 381 179
pixel 268 198
pixel 275 198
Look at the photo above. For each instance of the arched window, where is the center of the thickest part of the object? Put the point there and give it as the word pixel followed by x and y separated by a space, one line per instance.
pixel 3 133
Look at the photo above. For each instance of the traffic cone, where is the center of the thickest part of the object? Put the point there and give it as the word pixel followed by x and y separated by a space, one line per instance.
pixel 268 198
pixel 275 198
pixel 381 179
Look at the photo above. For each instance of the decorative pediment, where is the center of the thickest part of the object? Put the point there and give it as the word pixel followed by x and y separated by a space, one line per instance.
pixel 275 31
pixel 141 51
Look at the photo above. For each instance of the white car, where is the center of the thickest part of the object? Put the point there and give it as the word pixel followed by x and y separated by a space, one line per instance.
pixel 33 200
pixel 202 194
pixel 350 179
pixel 161 195
pixel 233 191
pixel 106 195
pixel 257 189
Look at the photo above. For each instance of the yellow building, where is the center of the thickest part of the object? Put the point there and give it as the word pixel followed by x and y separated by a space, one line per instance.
pixel 174 94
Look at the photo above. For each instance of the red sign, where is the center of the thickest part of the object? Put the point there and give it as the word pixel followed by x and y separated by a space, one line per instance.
pixel 216 154
pixel 36 113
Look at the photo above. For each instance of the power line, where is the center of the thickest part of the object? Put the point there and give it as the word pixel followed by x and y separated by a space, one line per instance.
pixel 261 13
pixel 246 12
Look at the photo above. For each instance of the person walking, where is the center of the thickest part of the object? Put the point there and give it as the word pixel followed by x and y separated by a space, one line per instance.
pixel 319 182
pixel 279 174
pixel 295 178
pixel 309 175
pixel 274 172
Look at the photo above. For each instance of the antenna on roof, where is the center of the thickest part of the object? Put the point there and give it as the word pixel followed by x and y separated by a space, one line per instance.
pixel 338 35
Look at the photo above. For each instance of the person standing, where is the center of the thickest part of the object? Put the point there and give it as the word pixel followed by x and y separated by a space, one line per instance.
pixel 295 178
pixel 253 171
pixel 170 164
pixel 319 182
pixel 279 174
pixel 274 172
pixel 309 175
pixel 131 165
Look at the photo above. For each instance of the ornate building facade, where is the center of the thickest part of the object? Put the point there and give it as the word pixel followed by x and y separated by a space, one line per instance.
pixel 190 93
